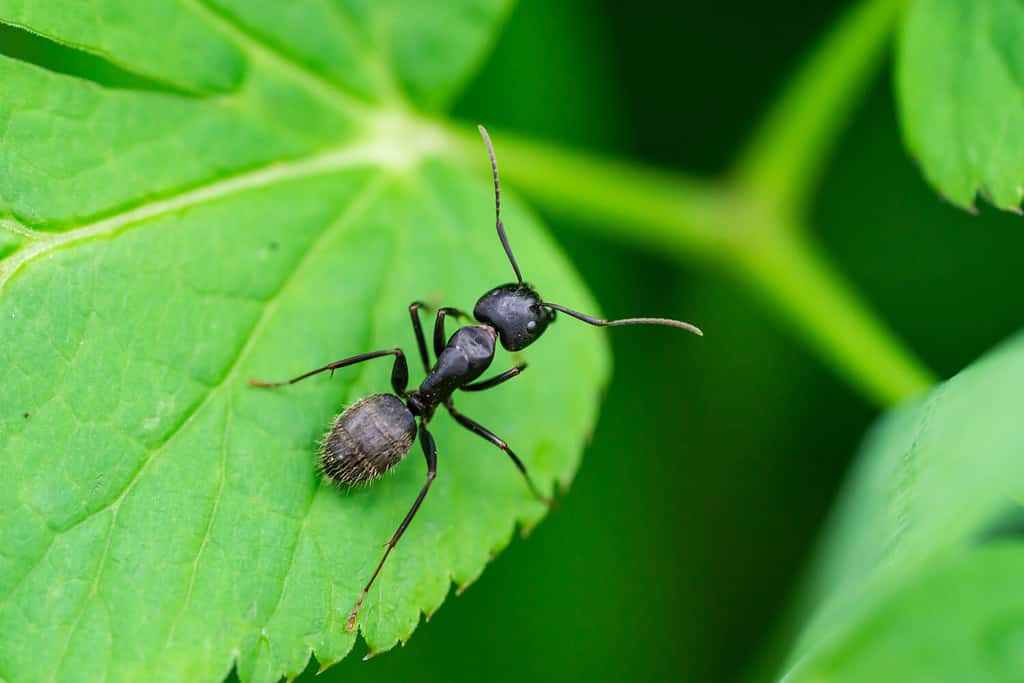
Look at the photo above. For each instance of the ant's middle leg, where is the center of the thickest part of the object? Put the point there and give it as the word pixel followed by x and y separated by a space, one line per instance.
pixel 482 431
pixel 399 372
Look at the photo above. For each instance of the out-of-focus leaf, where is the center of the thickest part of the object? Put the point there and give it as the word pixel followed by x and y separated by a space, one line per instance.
pixel 960 83
pixel 961 621
pixel 920 570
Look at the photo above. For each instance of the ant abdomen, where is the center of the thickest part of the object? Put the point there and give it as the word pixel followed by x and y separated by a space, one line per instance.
pixel 370 437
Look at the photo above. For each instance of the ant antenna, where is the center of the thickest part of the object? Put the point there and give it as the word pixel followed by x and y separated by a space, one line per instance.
pixel 598 322
pixel 497 205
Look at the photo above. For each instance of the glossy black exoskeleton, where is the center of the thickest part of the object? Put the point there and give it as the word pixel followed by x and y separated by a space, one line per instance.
pixel 375 433
pixel 516 312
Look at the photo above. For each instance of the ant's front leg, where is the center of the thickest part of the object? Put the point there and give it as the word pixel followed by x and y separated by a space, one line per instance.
pixel 440 339
pixel 495 381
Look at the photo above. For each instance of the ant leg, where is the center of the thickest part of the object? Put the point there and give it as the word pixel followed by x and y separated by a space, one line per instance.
pixel 421 341
pixel 482 431
pixel 439 336
pixel 399 372
pixel 494 381
pixel 430 452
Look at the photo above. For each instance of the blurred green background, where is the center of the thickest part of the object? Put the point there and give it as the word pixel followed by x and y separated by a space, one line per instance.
pixel 714 462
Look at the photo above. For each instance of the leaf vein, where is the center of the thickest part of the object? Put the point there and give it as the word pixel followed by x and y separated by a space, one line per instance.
pixel 209 523
pixel 85 603
pixel 380 296
pixel 16 227
pixel 256 46
pixel 381 152
pixel 351 212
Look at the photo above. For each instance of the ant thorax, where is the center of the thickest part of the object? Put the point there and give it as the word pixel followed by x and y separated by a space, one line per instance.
pixel 468 354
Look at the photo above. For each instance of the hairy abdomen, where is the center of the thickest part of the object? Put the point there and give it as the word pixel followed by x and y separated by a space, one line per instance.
pixel 368 439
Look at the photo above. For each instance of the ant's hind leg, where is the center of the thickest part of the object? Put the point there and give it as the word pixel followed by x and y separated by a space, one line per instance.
pixel 482 431
pixel 399 372
pixel 430 452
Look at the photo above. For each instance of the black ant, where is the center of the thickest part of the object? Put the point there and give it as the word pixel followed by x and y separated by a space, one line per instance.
pixel 374 434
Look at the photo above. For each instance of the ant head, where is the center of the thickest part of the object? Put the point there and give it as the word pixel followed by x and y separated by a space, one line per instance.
pixel 516 312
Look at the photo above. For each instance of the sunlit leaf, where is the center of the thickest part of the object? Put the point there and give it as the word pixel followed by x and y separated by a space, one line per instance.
pixel 263 202
pixel 960 85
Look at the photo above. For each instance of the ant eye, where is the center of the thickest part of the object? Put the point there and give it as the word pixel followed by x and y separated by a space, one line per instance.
pixel 532 325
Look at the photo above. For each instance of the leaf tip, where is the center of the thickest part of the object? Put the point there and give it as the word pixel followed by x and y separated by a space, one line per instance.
pixel 564 485
pixel 967 205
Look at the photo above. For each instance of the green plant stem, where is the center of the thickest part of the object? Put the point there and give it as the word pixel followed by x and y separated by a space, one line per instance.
pixel 829 315
pixel 786 156
pixel 701 222
pixel 612 196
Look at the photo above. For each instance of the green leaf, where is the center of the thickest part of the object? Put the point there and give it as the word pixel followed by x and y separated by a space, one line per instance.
pixel 269 205
pixel 960 85
pixel 961 621
pixel 919 576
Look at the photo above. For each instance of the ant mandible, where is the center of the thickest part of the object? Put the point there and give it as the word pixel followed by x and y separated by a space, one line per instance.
pixel 374 434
